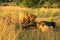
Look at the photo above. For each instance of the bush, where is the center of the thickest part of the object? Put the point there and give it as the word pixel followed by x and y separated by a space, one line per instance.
pixel 34 3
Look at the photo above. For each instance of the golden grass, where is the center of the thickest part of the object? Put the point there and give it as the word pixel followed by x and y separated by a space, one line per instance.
pixel 7 32
pixel 15 8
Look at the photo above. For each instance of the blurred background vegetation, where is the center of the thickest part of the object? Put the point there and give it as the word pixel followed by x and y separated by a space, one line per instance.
pixel 31 3
pixel 45 11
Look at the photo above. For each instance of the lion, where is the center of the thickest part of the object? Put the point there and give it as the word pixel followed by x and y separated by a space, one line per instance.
pixel 26 20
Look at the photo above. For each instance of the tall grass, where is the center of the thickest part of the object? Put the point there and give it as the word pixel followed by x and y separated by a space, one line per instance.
pixel 13 32
pixel 37 35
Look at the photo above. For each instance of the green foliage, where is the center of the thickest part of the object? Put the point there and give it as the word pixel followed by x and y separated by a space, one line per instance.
pixel 5 0
pixel 35 3
pixel 30 3
pixel 51 1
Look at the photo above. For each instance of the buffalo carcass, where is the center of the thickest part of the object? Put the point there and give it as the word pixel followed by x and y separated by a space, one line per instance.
pixel 53 24
pixel 45 26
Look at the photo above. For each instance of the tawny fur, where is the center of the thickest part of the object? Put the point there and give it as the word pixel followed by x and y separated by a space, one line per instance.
pixel 25 19
pixel 44 28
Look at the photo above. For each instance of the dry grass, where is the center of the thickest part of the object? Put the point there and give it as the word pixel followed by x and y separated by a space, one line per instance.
pixel 13 32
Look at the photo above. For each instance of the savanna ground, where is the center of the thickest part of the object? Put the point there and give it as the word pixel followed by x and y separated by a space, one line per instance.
pixel 12 32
